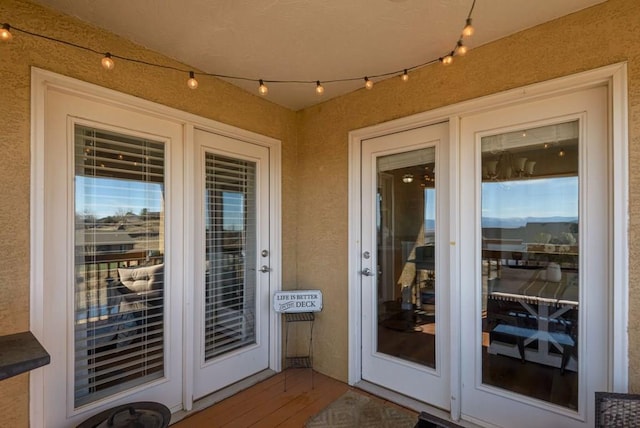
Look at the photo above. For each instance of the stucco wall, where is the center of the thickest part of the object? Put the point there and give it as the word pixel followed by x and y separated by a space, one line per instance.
pixel 598 36
pixel 315 152
pixel 214 99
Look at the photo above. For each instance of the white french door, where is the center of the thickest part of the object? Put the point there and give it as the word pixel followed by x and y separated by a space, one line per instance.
pixel 232 261
pixel 536 283
pixel 155 249
pixel 112 312
pixel 404 263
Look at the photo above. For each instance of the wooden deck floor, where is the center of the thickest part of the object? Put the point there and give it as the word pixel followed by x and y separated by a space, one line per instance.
pixel 267 404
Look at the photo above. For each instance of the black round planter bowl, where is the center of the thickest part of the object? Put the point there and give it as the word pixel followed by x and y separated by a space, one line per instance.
pixel 142 414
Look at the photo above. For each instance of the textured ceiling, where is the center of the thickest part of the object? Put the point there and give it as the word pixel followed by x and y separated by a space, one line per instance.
pixel 309 39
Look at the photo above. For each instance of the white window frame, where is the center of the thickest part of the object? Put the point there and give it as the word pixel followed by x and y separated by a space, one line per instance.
pixel 615 78
pixel 41 82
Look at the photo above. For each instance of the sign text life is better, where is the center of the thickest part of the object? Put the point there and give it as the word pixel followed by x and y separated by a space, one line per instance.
pixel 297 301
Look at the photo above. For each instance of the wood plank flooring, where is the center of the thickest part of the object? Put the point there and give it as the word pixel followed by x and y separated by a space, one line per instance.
pixel 267 404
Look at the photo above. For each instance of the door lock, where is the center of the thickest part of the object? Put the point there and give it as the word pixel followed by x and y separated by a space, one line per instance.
pixel 265 269
pixel 367 272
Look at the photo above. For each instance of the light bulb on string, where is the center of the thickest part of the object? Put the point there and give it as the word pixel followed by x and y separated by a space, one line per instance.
pixel 447 60
pixel 107 62
pixel 262 89
pixel 461 49
pixel 468 29
pixel 192 83
pixel 5 33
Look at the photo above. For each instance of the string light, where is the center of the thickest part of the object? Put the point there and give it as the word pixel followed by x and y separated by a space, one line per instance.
pixel 461 49
pixel 192 83
pixel 262 89
pixel 107 62
pixel 368 83
pixel 448 59
pixel 468 29
pixel 5 33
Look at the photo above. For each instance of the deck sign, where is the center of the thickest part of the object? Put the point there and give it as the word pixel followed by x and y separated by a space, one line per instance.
pixel 297 301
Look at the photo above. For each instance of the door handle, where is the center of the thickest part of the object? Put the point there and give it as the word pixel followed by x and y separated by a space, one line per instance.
pixel 367 272
pixel 265 269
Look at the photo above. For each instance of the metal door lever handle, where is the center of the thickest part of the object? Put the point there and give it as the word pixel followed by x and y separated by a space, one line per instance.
pixel 265 269
pixel 367 272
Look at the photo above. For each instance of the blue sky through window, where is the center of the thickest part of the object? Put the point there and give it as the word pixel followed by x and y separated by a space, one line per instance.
pixel 105 197
pixel 544 198
pixel 232 211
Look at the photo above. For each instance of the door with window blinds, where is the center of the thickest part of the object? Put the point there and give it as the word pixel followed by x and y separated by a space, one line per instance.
pixel 112 242
pixel 233 282
pixel 119 262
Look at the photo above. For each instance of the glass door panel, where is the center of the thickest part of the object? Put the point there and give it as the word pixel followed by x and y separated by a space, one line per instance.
pixel 119 325
pixel 230 253
pixel 405 225
pixel 530 259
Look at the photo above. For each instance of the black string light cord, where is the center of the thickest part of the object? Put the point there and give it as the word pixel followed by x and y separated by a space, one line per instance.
pixel 108 61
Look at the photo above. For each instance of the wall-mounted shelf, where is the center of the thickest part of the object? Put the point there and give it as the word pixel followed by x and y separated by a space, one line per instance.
pixel 19 353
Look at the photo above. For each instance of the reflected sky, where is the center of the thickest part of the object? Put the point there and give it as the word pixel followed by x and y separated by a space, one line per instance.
pixel 539 198
pixel 105 197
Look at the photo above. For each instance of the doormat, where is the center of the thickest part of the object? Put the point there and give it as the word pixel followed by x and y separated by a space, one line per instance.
pixel 353 410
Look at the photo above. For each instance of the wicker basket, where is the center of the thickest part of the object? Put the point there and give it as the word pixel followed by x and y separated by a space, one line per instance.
pixel 617 410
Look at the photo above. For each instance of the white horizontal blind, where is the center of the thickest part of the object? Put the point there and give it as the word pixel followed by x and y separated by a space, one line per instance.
pixel 230 237
pixel 119 262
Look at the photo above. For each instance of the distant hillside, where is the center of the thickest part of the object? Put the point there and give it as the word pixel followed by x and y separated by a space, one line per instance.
pixel 516 222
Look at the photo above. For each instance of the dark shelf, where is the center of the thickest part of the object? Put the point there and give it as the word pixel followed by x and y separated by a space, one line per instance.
pixel 299 316
pixel 298 362
pixel 20 353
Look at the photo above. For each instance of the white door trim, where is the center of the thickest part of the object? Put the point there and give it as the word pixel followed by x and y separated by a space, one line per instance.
pixel 43 81
pixel 615 78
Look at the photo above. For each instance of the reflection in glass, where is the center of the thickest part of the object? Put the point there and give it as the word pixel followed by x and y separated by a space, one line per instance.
pixel 119 262
pixel 406 278
pixel 530 251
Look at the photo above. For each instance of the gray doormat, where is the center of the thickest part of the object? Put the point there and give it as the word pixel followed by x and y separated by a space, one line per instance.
pixel 353 410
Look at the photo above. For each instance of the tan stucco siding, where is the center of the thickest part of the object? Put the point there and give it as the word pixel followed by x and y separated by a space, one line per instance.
pixel 314 141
